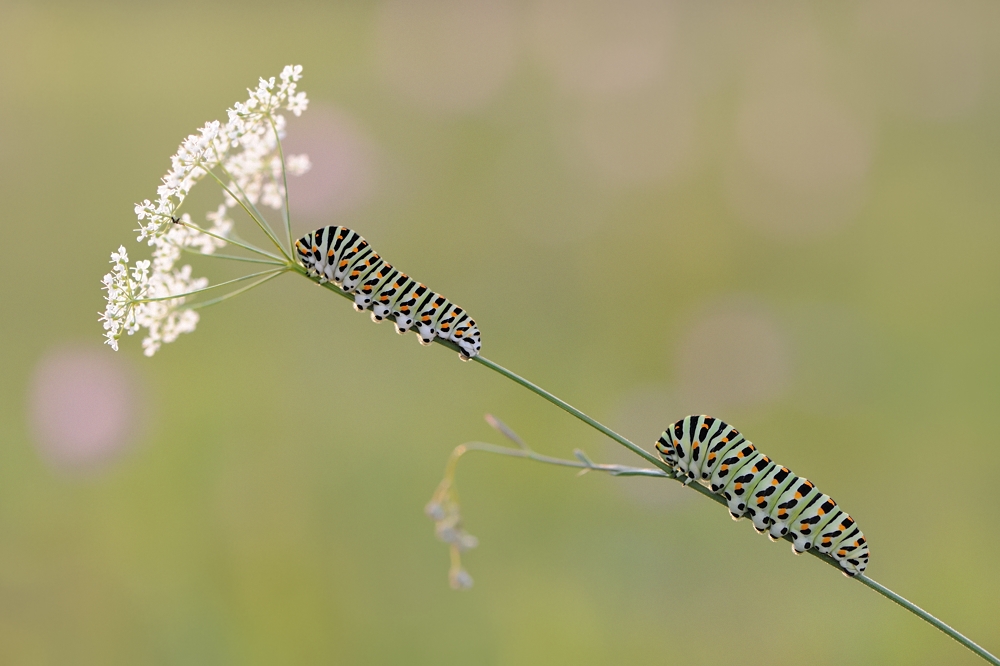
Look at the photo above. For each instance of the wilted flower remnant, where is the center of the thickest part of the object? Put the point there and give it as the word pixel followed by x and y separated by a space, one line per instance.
pixel 244 157
pixel 443 509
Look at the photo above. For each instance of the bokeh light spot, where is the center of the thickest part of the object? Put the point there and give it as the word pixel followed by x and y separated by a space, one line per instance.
pixel 637 139
pixel 446 55
pixel 343 173
pixel 928 57
pixel 82 407
pixel 802 163
pixel 603 48
pixel 734 354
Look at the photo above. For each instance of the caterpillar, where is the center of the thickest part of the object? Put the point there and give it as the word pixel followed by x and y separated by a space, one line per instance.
pixel 716 455
pixel 342 256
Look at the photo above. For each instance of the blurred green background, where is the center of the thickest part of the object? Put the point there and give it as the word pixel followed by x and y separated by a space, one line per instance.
pixel 784 215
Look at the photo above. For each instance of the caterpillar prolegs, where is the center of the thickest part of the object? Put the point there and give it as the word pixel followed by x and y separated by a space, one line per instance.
pixel 716 455
pixel 344 257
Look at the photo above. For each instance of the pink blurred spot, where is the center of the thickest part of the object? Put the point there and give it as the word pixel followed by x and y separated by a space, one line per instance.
pixel 343 157
pixel 638 139
pixel 446 55
pixel 82 406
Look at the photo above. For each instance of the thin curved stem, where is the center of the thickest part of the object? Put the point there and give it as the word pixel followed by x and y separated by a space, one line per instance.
pixel 256 211
pixel 275 273
pixel 232 257
pixel 565 406
pixel 238 243
pixel 667 471
pixel 213 301
pixel 255 215
pixel 284 179
pixel 582 464
pixel 927 617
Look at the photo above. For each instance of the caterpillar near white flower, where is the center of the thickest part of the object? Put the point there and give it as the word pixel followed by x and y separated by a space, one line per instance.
pixel 716 455
pixel 342 256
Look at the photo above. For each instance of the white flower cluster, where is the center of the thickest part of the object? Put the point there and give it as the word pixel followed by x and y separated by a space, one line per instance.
pixel 443 510
pixel 138 298
pixel 245 151
pixel 124 289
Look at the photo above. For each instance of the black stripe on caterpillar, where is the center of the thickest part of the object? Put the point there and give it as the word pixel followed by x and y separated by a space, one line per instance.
pixel 780 503
pixel 342 256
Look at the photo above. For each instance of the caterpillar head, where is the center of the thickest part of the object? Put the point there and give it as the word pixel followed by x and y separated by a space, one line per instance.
pixel 665 447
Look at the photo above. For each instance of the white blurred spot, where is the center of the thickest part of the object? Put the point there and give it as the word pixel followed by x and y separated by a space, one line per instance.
pixel 733 354
pixel 803 149
pixel 803 140
pixel 82 406
pixel 343 173
pixel 927 57
pixel 636 139
pixel 446 55
pixel 636 123
pixel 603 48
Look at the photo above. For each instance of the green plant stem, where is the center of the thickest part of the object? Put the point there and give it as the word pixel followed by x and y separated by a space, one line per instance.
pixel 613 470
pixel 259 215
pixel 927 617
pixel 272 273
pixel 284 179
pixel 237 292
pixel 233 257
pixel 235 241
pixel 562 404
pixel 255 215
pixel 881 589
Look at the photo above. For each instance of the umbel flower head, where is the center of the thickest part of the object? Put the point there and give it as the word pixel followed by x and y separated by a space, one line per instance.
pixel 243 156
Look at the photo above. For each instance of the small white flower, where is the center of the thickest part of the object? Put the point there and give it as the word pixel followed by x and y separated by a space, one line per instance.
pixel 166 319
pixel 243 151
pixel 124 288
pixel 466 541
pixel 459 579
pixel 446 530
pixel 296 165
pixel 434 511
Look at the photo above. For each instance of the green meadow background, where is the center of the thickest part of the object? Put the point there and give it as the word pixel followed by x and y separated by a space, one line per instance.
pixel 785 215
